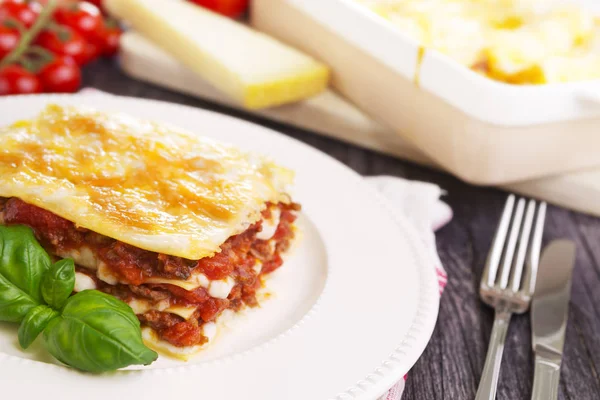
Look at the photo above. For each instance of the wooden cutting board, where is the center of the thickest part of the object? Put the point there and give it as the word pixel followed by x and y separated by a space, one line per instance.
pixel 331 115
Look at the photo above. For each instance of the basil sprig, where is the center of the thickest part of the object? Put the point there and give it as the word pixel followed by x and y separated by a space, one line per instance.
pixel 103 327
pixel 90 330
pixel 23 262
pixel 58 283
pixel 34 323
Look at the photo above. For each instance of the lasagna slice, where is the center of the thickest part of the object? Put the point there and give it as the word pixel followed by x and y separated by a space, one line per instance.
pixel 178 226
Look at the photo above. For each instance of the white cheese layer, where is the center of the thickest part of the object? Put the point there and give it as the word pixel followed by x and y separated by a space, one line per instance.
pixel 82 256
pixel 221 289
pixel 257 267
pixel 139 306
pixel 269 226
pixel 83 282
pixel 209 330
pixel 105 274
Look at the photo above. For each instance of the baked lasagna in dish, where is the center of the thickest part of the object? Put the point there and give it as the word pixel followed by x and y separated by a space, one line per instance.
pixel 178 226
pixel 513 41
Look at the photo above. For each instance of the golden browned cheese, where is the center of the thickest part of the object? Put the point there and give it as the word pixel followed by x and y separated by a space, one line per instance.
pixel 147 184
pixel 513 41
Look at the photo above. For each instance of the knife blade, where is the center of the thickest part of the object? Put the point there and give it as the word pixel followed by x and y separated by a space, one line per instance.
pixel 549 313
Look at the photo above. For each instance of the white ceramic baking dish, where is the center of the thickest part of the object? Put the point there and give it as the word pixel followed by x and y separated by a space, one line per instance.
pixel 484 131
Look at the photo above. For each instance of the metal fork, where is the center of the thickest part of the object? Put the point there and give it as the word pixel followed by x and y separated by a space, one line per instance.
pixel 508 280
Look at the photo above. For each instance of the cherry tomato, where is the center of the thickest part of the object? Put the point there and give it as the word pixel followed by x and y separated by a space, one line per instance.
pixel 110 41
pixel 92 52
pixel 61 76
pixel 230 8
pixel 83 17
pixel 65 42
pixel 26 13
pixel 9 38
pixel 15 79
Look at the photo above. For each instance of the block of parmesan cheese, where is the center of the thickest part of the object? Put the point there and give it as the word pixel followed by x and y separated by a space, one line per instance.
pixel 254 69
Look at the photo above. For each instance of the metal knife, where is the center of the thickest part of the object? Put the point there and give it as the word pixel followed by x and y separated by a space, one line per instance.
pixel 549 311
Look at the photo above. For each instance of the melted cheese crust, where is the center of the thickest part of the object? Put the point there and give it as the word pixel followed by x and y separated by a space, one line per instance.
pixel 153 186
pixel 513 41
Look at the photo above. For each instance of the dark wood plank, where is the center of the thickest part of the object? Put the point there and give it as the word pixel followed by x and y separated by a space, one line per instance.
pixel 464 329
pixel 451 366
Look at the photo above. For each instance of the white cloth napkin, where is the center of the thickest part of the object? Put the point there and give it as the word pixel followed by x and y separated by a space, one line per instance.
pixel 420 203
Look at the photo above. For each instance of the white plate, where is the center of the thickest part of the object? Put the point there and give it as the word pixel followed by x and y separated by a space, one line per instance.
pixel 353 307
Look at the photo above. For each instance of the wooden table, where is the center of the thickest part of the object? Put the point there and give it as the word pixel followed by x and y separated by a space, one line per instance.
pixel 451 366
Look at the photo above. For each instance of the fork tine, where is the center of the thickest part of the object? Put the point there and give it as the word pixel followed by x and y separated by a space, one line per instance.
pixel 533 252
pixel 519 261
pixel 508 301
pixel 512 243
pixel 493 261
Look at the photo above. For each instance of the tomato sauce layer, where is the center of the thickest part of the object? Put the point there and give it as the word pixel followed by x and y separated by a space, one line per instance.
pixel 237 259
pixel 134 265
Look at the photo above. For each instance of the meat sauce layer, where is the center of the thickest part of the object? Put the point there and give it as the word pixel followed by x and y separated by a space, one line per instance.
pixel 133 265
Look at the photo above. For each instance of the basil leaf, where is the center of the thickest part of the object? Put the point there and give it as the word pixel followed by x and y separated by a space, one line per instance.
pixel 97 332
pixel 58 283
pixel 23 263
pixel 34 323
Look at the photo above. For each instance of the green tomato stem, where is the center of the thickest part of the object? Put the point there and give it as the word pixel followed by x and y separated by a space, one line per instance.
pixel 30 35
pixel 27 63
pixel 41 52
pixel 16 24
pixel 35 58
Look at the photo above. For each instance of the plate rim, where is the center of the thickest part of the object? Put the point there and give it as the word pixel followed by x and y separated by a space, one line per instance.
pixel 417 336
pixel 427 312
